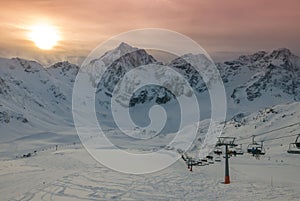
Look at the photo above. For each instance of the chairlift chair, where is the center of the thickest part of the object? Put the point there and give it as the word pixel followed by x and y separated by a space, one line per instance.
pixel 252 146
pixel 218 151
pixel 239 150
pixel 255 148
pixel 260 150
pixel 204 161
pixel 294 148
pixel 218 159
pixel 209 157
pixel 198 163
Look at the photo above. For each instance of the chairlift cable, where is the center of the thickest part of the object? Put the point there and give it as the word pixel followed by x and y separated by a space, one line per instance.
pixel 280 137
pixel 276 138
pixel 266 132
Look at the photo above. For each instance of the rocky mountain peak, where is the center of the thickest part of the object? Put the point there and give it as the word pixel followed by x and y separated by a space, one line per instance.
pixel 124 47
pixel 252 57
pixel 280 53
pixel 61 64
pixel 64 66
pixel 27 65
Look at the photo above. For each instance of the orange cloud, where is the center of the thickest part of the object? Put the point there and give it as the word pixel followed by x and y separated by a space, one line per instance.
pixel 219 26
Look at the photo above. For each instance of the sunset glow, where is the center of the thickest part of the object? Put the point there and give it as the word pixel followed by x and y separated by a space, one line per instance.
pixel 224 28
pixel 44 36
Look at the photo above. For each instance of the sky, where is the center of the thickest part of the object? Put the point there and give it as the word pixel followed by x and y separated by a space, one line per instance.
pixel 225 29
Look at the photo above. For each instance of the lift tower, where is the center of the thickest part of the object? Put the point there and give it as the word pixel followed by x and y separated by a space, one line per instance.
pixel 227 142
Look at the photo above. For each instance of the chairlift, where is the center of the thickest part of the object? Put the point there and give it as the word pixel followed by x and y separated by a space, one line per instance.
pixel 218 159
pixel 226 141
pixel 204 161
pixel 218 151
pixel 210 159
pixel 192 162
pixel 199 163
pixel 255 148
pixel 294 148
pixel 232 151
pixel 238 150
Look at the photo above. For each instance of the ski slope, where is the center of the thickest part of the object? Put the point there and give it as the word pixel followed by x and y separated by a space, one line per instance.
pixel 70 173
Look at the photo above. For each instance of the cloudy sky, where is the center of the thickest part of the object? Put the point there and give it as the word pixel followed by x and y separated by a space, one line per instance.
pixel 223 28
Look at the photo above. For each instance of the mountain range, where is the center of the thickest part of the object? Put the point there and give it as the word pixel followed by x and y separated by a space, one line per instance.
pixel 35 99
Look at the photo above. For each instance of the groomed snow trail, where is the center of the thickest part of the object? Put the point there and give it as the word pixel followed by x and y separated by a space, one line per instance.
pixel 71 174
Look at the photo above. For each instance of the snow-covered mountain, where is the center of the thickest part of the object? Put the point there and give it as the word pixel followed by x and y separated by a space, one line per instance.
pixel 35 99
pixel 260 80
pixel 36 118
pixel 252 82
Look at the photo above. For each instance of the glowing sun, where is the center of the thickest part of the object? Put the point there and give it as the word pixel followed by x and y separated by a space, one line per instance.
pixel 44 36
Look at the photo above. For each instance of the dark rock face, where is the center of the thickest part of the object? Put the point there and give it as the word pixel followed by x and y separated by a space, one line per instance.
pixel 120 67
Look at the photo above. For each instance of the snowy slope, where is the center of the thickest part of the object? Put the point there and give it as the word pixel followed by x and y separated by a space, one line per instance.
pixel 70 173
pixel 35 99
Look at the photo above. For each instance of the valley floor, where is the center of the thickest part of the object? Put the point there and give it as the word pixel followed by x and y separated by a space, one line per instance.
pixel 71 174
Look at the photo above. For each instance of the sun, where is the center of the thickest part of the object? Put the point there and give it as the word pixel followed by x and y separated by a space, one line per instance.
pixel 44 36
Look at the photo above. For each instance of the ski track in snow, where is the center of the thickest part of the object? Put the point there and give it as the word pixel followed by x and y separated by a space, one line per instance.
pixel 71 174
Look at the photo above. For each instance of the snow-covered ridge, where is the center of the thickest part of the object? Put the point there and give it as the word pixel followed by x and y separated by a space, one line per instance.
pixel 42 96
pixel 262 79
